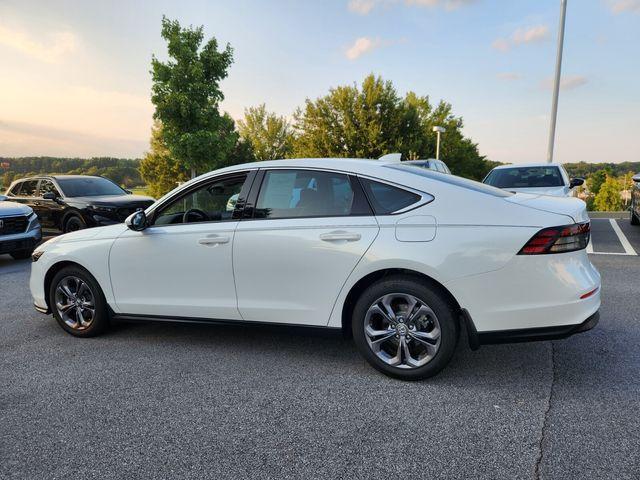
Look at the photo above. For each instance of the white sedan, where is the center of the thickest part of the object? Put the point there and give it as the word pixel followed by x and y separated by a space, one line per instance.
pixel 398 256
pixel 539 178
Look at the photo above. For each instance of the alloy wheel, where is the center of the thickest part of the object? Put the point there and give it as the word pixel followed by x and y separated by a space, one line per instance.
pixel 402 330
pixel 75 303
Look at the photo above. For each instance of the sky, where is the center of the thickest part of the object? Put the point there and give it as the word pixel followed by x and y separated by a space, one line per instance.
pixel 75 81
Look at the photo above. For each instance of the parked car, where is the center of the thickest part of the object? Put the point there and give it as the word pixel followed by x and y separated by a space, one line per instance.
pixel 635 200
pixel 396 255
pixel 20 230
pixel 67 203
pixel 431 164
pixel 541 178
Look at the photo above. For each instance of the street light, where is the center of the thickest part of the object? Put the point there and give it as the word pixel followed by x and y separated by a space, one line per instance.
pixel 556 84
pixel 438 131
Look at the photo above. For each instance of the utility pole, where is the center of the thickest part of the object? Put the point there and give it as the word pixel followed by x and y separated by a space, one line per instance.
pixel 438 131
pixel 556 84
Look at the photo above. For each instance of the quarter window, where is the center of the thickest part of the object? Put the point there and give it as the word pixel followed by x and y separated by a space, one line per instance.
pixel 307 193
pixel 387 199
pixel 213 202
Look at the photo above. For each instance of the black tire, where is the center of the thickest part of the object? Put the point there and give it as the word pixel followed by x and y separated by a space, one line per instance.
pixel 73 224
pixel 99 321
pixel 22 254
pixel 429 295
pixel 634 218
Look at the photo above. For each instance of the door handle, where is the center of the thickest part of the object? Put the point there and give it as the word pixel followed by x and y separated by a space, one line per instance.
pixel 340 235
pixel 213 240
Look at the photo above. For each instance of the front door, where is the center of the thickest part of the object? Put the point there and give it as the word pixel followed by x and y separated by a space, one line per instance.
pixel 309 230
pixel 181 265
pixel 49 211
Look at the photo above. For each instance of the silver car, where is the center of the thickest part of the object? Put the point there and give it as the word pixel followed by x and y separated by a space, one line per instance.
pixel 20 230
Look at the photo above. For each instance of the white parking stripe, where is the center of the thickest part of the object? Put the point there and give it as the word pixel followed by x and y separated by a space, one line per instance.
pixel 623 240
pixel 590 244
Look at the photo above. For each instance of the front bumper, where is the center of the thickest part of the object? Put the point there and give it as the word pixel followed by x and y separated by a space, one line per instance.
pixel 20 241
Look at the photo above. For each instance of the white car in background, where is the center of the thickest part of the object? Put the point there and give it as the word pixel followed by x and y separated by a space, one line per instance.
pixel 396 255
pixel 541 178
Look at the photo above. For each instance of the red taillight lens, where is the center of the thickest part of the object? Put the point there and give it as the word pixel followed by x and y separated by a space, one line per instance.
pixel 563 239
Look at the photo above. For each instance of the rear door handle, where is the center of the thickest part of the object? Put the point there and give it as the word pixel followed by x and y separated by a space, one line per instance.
pixel 213 240
pixel 340 235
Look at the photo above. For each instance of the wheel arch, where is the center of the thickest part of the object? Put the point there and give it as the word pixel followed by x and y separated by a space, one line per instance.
pixel 55 268
pixel 67 215
pixel 362 284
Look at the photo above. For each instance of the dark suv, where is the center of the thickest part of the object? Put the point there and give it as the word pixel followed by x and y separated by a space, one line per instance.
pixel 71 202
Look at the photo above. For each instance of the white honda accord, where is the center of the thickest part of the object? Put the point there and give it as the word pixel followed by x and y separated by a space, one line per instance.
pixel 396 255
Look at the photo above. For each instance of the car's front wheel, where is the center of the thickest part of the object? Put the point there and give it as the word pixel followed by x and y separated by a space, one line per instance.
pixel 634 218
pixel 405 328
pixel 73 224
pixel 77 302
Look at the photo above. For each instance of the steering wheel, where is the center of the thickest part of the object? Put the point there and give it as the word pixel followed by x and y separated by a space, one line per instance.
pixel 202 217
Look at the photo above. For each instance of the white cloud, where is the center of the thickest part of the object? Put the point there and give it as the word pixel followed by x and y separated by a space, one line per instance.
pixel 534 34
pixel 361 46
pixel 364 7
pixel 509 76
pixel 567 83
pixel 619 6
pixel 50 50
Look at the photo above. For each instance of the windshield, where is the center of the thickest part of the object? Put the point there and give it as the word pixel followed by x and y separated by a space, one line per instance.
pixel 525 177
pixel 88 187
pixel 452 180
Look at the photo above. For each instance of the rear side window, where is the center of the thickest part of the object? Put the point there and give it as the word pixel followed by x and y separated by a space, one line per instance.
pixel 386 199
pixel 29 188
pixel 307 193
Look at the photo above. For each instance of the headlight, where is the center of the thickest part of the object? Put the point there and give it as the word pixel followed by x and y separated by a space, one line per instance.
pixel 34 224
pixel 35 256
pixel 102 208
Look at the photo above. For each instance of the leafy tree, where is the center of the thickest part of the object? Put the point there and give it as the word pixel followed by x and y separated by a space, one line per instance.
pixel 270 136
pixel 595 181
pixel 373 120
pixel 186 93
pixel 158 168
pixel 608 198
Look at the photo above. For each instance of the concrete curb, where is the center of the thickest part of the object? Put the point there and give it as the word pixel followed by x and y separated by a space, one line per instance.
pixel 618 215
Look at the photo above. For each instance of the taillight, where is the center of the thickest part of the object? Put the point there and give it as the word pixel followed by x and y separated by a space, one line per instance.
pixel 567 238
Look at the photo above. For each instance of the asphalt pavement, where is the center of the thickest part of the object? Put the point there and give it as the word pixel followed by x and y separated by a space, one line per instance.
pixel 189 401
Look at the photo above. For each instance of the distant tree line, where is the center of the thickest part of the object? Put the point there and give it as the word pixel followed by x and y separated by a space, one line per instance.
pixel 124 172
pixel 607 186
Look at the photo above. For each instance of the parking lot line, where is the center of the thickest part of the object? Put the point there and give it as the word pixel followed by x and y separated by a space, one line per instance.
pixel 621 236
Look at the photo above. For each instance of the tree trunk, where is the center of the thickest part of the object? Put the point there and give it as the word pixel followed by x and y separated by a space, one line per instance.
pixel 193 172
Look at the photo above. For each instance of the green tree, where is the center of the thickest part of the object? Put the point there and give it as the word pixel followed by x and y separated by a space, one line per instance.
pixel 596 179
pixel 186 93
pixel 270 136
pixel 372 120
pixel 158 168
pixel 608 198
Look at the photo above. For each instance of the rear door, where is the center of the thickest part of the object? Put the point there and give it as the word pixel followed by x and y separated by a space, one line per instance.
pixel 307 231
pixel 49 211
pixel 28 194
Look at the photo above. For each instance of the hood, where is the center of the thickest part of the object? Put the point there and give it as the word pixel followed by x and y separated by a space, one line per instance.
pixel 11 209
pixel 96 233
pixel 553 191
pixel 113 200
pixel 572 207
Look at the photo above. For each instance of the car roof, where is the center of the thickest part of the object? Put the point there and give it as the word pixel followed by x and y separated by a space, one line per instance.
pixel 38 177
pixel 526 165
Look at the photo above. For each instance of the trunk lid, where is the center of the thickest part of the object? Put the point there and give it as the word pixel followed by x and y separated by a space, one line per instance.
pixel 572 207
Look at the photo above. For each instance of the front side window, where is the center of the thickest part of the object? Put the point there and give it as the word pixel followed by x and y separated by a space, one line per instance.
pixel 386 199
pixel 47 186
pixel 89 187
pixel 212 202
pixel 525 177
pixel 29 188
pixel 307 193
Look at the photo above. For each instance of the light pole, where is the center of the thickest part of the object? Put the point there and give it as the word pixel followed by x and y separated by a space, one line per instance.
pixel 556 83
pixel 438 131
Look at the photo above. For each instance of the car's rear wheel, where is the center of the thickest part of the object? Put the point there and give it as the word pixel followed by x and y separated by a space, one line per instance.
pixel 77 302
pixel 73 224
pixel 22 254
pixel 405 328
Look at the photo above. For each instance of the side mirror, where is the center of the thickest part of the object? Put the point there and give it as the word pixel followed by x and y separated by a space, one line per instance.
pixel 576 182
pixel 128 192
pixel 137 221
pixel 636 178
pixel 2 198
pixel 50 196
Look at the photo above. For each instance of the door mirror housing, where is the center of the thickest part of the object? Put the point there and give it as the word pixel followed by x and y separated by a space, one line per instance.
pixel 50 196
pixel 137 221
pixel 576 182
pixel 128 192
pixel 636 178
